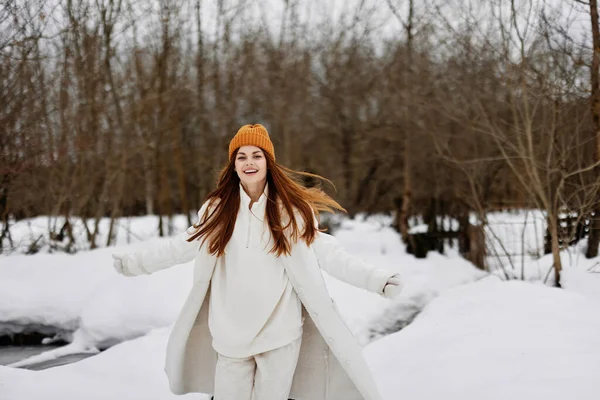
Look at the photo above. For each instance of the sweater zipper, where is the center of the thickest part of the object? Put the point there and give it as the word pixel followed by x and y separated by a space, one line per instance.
pixel 248 235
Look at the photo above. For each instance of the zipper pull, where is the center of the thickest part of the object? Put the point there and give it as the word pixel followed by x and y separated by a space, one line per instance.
pixel 248 235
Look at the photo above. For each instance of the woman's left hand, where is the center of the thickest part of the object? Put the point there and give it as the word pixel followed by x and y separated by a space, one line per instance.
pixel 393 287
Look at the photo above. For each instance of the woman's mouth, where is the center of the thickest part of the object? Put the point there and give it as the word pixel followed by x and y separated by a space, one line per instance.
pixel 250 171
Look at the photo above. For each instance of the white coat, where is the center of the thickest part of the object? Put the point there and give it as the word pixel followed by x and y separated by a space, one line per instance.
pixel 331 365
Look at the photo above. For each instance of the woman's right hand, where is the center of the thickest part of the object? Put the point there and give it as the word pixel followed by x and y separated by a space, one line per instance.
pixel 119 264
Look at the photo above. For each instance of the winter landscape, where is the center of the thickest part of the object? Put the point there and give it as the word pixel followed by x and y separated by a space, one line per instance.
pixel 466 334
pixel 462 137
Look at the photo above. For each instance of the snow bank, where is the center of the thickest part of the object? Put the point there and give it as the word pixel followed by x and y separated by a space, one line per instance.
pixel 494 340
pixel 34 232
pixel 132 370
pixel 484 340
pixel 82 295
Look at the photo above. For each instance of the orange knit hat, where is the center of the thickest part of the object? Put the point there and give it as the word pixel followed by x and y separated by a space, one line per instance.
pixel 252 135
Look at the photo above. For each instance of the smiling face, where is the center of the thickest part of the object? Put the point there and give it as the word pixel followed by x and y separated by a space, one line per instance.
pixel 251 164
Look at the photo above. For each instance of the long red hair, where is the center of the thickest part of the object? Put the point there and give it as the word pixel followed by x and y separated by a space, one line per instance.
pixel 286 195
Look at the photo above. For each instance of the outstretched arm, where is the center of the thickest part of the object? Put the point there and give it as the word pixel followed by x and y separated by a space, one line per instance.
pixel 334 259
pixel 177 250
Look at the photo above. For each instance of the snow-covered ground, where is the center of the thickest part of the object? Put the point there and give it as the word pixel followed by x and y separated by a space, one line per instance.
pixel 494 340
pixel 477 337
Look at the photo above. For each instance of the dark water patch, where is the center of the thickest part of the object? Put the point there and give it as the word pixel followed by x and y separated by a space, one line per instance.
pixel 29 339
pixel 401 313
pixel 12 354
pixel 64 360
pixel 16 334
pixel 20 341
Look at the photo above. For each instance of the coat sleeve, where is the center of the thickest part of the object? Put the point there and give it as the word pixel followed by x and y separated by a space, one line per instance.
pixel 337 262
pixel 176 250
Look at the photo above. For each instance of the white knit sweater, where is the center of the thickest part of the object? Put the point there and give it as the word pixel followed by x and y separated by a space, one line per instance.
pixel 253 306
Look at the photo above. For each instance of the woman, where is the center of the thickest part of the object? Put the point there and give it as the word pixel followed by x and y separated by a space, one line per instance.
pixel 258 323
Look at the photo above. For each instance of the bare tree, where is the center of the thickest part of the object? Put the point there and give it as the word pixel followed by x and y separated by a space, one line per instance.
pixel 594 239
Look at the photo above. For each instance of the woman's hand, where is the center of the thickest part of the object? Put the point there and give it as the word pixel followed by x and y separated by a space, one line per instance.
pixel 393 287
pixel 119 264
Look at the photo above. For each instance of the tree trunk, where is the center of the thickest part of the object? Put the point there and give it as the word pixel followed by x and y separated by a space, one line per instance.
pixel 4 212
pixel 164 189
pixel 406 191
pixel 407 167
pixel 119 131
pixel 594 239
pixel 553 226
pixel 178 161
pixel 202 114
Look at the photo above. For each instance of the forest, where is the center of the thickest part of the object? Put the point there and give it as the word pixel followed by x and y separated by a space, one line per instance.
pixel 429 110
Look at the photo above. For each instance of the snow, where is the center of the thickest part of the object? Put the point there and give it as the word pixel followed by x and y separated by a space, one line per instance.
pixel 131 370
pixel 584 279
pixel 83 293
pixel 465 334
pixel 130 230
pixel 494 340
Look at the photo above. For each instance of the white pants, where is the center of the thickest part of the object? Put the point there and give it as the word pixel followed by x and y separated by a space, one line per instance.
pixel 265 376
